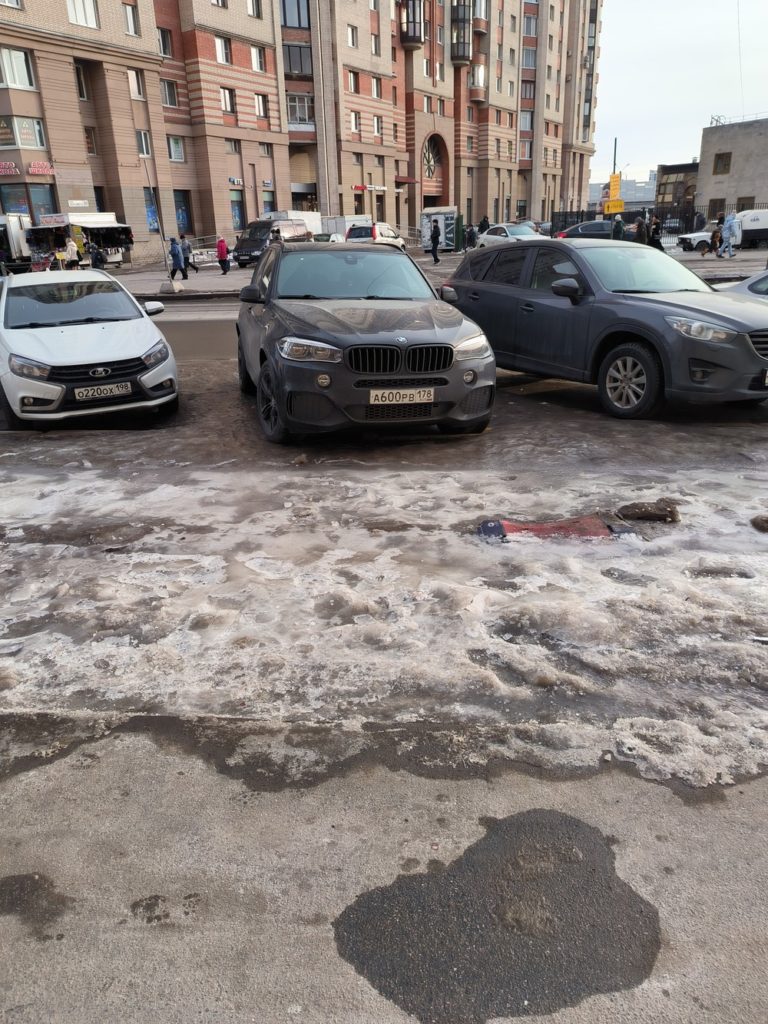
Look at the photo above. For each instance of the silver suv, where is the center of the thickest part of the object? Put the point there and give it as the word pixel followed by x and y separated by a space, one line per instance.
pixel 376 232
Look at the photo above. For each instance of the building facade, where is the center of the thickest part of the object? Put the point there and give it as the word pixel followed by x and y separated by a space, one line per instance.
pixel 200 115
pixel 732 166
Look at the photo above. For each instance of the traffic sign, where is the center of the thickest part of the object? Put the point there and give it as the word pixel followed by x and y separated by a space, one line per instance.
pixel 614 206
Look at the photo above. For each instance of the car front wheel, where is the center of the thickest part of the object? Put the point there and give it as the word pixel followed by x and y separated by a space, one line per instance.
pixel 268 408
pixel 630 381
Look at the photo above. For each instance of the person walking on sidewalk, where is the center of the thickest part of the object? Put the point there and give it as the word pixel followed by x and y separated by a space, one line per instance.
pixel 484 224
pixel 177 260
pixel 729 234
pixel 617 231
pixel 71 254
pixel 435 240
pixel 186 252
pixel 222 254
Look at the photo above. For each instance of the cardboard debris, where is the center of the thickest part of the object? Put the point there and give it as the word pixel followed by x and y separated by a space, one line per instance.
pixel 662 511
pixel 585 527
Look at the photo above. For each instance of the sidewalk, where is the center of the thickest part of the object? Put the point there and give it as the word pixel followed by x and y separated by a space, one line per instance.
pixel 209 283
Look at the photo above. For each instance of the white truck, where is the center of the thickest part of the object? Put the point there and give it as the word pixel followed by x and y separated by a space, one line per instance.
pixel 15 255
pixel 340 225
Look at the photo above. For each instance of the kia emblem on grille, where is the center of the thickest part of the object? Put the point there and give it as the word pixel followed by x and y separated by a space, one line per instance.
pixel 401 341
pixel 100 371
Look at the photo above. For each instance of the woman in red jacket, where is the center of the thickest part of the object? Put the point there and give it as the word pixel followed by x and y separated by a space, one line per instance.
pixel 222 254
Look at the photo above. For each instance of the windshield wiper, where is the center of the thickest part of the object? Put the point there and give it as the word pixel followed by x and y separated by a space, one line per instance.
pixel 100 319
pixel 633 291
pixel 37 323
pixel 391 298
pixel 308 296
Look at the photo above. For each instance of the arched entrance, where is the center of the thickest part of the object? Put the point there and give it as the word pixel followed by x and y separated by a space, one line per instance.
pixel 435 172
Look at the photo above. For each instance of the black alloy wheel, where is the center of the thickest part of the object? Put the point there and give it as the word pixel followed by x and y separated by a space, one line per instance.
pixel 246 381
pixel 268 408
pixel 12 421
pixel 630 381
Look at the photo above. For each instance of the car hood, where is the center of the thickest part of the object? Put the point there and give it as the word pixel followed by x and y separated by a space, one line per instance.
pixel 737 310
pixel 354 321
pixel 84 343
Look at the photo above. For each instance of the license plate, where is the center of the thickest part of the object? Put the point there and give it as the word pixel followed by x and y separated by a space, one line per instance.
pixel 102 391
pixel 402 396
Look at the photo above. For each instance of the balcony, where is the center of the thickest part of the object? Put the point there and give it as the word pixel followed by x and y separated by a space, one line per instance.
pixel 478 83
pixel 461 33
pixel 480 15
pixel 412 24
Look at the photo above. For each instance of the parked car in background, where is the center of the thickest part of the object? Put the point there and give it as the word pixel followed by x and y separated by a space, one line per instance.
pixel 625 317
pixel 497 233
pixel 545 228
pixel 671 225
pixel 334 336
pixel 697 241
pixel 258 234
pixel 755 287
pixel 75 344
pixel 326 237
pixel 378 232
pixel 588 229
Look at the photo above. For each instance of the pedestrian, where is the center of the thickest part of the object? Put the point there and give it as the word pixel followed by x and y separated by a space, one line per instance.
pixel 435 240
pixel 222 254
pixel 700 222
pixel 654 238
pixel 641 231
pixel 617 231
pixel 71 254
pixel 484 224
pixel 177 260
pixel 714 241
pixel 470 238
pixel 186 252
pixel 729 236
pixel 98 259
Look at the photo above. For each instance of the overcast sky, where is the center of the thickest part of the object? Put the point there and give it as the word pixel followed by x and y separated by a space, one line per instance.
pixel 667 66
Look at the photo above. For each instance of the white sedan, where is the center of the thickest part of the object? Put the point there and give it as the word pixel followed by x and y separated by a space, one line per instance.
pixel 697 241
pixel 75 343
pixel 497 233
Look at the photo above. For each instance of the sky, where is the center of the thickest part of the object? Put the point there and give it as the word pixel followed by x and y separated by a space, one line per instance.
pixel 666 67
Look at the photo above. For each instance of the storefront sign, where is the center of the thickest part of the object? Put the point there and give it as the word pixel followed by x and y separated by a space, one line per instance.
pixel 40 167
pixel 27 135
pixel 376 188
pixel 359 188
pixel 7 134
pixel 267 183
pixel 8 168
pixel 78 202
pixel 51 220
pixel 235 181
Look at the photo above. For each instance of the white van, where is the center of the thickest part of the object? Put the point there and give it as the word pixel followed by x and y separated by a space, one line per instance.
pixel 753 227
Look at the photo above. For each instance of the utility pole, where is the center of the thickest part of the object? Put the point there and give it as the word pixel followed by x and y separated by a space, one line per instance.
pixel 614 154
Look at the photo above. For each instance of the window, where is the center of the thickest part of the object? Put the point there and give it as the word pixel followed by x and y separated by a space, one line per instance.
pixel 262 104
pixel 500 51
pixel 525 149
pixel 142 143
pixel 546 155
pixel 83 12
pixel 219 3
pixel 227 98
pixel 169 93
pixel 352 36
pixel 11 3
pixel 499 84
pixel 508 268
pixel 231 145
pixel 254 8
pixel 427 30
pixel 427 67
pixel 354 120
pixel 394 95
pixel 375 45
pixel 440 72
pixel 90 140
pixel 527 90
pixel 511 150
pixel 497 116
pixel 510 88
pixel 376 88
pixel 378 125
pixel 394 133
pixel 512 55
pixel 357 158
pixel 550 267
pixel 722 164
pixel 550 43
pixel 16 69
pixel 510 119
pixel 470 144
pixel 530 27
pixel 223 49
pixel 427 104
pixel 513 22
pixel 297 59
pixel 379 161
pixel 136 84
pixel 265 149
pixel 294 13
pixel 525 120
pixel 353 81
pixel 470 113
pixel 529 57
pixel 441 107
pixel 301 108
pixel 374 5
pixel 745 203
pixel 131 19
pixel 554 157
pixel 549 72
pixel 165 42
pixel 258 58
pixel 175 148
pixel 440 35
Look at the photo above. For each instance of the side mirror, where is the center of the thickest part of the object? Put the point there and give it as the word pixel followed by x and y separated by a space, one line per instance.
pixel 251 293
pixel 153 308
pixel 567 288
pixel 448 294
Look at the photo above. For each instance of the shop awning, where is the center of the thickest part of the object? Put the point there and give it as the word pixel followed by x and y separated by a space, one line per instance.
pixel 403 179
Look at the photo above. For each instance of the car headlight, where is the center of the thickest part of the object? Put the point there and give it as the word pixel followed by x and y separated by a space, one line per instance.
pixel 476 347
pixel 157 354
pixel 303 350
pixel 701 330
pixel 23 367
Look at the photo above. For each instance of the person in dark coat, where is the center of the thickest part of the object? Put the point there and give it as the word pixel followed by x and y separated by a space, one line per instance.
pixel 435 239
pixel 654 238
pixel 617 231
pixel 470 239
pixel 186 252
pixel 641 231
pixel 177 260
pixel 484 224
pixel 700 222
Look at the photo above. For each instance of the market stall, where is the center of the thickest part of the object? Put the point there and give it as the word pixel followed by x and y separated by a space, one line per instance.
pixel 87 229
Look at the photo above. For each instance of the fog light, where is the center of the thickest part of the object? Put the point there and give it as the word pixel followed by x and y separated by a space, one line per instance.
pixel 323 380
pixel 27 401
pixel 700 374
pixel 470 376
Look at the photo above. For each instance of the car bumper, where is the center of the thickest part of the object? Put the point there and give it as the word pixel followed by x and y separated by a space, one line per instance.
pixel 718 373
pixel 41 401
pixel 310 408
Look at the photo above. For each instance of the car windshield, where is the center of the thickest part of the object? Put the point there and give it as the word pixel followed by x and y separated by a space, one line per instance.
pixel 640 269
pixel 360 232
pixel 259 231
pixel 369 274
pixel 520 229
pixel 68 302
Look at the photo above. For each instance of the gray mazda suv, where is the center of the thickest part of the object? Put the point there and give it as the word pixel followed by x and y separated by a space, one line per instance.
pixel 623 316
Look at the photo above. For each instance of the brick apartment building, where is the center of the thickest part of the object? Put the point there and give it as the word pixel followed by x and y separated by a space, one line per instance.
pixel 200 115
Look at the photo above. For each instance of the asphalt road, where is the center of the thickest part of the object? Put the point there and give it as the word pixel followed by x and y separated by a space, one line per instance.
pixel 282 740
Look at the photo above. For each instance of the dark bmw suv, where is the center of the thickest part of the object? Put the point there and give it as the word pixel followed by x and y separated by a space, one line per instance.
pixel 623 316
pixel 332 336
